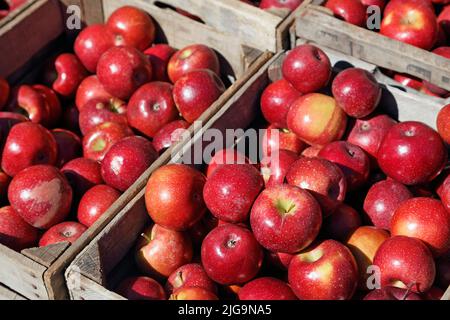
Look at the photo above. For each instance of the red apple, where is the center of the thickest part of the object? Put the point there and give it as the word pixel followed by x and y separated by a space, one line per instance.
pixel 63 232
pixel 317 119
pixel 392 293
pixel 91 89
pixel 98 141
pixel 357 92
pixel 70 72
pixel 82 175
pixel 266 289
pixel 151 107
pixel 70 118
pixel 4 184
pixel 122 70
pixel 15 233
pixel 368 133
pixel 95 202
pixel 32 103
pixel 412 22
pixel 379 3
pixel 230 191
pixel 409 81
pixel 405 263
pixel 169 134
pixel 285 219
pixel 307 68
pixel 161 251
pixel 126 161
pixel 53 104
pixel 281 139
pixel 364 242
pixel 341 223
pixel 231 255
pixel 131 27
pixel 4 92
pixel 382 199
pixel 444 19
pixel 193 293
pixel 28 144
pixel 272 4
pixel 351 159
pixel 41 195
pixel 274 169
pixel 91 43
pixel 352 11
pixel 276 100
pixel 195 92
pixel 190 275
pixel 7 121
pixel 141 288
pixel 69 146
pixel 223 157
pixel 322 178
pixel 325 271
pixel 443 123
pixel 159 56
pixel 311 152
pixel 412 153
pixel 190 58
pixel 98 112
pixel 443 52
pixel 279 260
pixel 173 196
pixel 200 230
pixel 425 219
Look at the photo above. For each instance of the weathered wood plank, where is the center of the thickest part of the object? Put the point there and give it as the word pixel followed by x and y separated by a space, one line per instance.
pixel 7 294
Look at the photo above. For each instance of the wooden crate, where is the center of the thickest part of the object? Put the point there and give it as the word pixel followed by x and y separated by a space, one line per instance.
pixel 260 29
pixel 38 273
pixel 8 294
pixel 318 24
pixel 101 266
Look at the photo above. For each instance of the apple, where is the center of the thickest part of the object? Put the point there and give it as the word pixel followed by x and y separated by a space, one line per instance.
pixel 444 19
pixel 4 184
pixel 29 101
pixel 311 152
pixel 443 123
pixel 307 68
pixel 353 11
pixel 193 293
pixel 317 119
pixel 4 92
pixel 425 219
pixel 70 73
pixel 28 144
pixel 325 271
pixel 91 89
pixel 392 293
pixel 7 121
pixel 161 251
pixel 380 3
pixel 224 157
pixel 131 26
pixel 273 4
pixel 382 199
pixel 69 146
pixel 443 52
pixel 126 161
pixel 279 260
pixel 190 58
pixel 409 81
pixel 266 288
pixel 405 263
pixel 15 233
pixel 151 107
pixel 41 195
pixel 70 117
pixel 274 169
pixel 285 219
pixel 82 174
pixel 357 92
pixel 190 275
pixel 351 159
pixel 412 22
pixel 276 100
pixel 322 178
pixel 368 133
pixel 364 242
pixel 412 153
pixel 63 232
pixel 231 255
pixel 97 112
pixel 141 288
pixel 173 196
pixel 92 42
pixel 195 92
pixel 159 56
pixel 341 223
pixel 98 141
pixel 276 138
pixel 443 190
pixel 169 134
pixel 230 191
pixel 53 104
pixel 122 70
pixel 95 202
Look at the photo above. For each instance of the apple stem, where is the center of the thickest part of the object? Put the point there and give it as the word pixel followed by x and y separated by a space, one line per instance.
pixel 408 290
pixel 143 235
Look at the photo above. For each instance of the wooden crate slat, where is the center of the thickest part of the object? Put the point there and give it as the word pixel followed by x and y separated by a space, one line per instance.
pixel 46 255
pixel 7 294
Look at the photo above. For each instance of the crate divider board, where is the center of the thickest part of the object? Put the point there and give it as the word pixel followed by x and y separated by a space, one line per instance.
pixel 8 294
pixel 38 273
pixel 88 277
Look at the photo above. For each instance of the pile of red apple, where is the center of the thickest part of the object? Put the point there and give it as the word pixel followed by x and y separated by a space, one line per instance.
pixel 421 23
pixel 352 194
pixel 9 6
pixel 70 148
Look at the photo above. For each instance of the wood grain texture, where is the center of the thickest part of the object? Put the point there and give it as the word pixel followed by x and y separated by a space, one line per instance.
pixel 46 255
pixel 7 294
